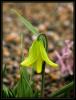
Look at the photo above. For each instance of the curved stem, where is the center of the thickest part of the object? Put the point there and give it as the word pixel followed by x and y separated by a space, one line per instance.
pixel 43 38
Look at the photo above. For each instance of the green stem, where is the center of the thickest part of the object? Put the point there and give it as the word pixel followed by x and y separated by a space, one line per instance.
pixel 43 38
pixel 22 45
pixel 43 82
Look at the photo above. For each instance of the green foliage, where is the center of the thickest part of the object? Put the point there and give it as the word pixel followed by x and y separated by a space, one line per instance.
pixel 23 87
pixel 6 92
pixel 25 22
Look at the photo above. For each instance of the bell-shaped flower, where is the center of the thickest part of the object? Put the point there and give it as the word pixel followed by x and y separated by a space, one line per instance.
pixel 37 54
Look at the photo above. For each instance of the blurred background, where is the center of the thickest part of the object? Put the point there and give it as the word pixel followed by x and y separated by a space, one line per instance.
pixel 53 19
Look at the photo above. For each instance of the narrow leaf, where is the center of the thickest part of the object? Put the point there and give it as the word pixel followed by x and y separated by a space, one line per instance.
pixel 25 22
pixel 62 90
pixel 23 87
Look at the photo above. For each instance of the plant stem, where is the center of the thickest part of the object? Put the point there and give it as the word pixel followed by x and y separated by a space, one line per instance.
pixel 43 74
pixel 22 45
pixel 43 38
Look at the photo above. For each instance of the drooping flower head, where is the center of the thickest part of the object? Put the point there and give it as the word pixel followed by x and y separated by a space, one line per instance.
pixel 37 54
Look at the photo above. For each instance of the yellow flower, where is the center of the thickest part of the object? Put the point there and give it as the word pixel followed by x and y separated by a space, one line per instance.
pixel 37 54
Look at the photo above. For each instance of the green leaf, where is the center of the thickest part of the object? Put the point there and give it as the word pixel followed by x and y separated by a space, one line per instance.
pixel 22 45
pixel 6 92
pixel 25 22
pixel 23 87
pixel 62 90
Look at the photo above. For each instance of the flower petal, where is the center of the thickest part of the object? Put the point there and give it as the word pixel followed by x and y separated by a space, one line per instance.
pixel 45 57
pixel 38 65
pixel 33 55
pixel 33 51
pixel 28 61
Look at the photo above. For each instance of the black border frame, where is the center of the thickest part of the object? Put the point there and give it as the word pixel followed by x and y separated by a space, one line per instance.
pixel 8 1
